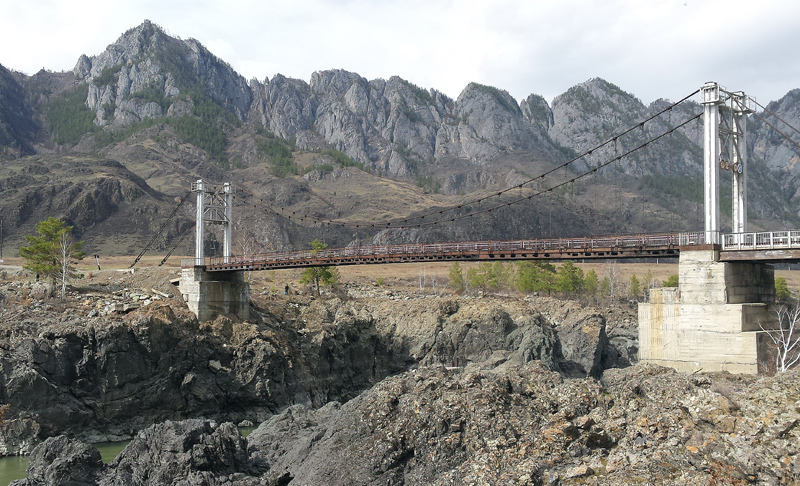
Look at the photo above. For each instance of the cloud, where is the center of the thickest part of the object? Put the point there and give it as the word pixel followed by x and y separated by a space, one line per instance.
pixel 654 49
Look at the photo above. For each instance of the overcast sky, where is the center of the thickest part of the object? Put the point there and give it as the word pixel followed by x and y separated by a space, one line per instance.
pixel 650 48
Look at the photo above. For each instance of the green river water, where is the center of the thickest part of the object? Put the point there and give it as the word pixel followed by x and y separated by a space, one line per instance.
pixel 13 467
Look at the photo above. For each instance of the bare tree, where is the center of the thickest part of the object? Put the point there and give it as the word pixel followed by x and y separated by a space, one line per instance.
pixel 244 239
pixel 69 254
pixel 785 339
pixel 245 242
pixel 612 274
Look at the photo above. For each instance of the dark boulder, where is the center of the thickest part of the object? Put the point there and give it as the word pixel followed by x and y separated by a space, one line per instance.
pixel 187 452
pixel 64 462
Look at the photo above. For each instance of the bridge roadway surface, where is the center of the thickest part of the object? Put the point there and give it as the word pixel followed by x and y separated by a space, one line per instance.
pixel 778 246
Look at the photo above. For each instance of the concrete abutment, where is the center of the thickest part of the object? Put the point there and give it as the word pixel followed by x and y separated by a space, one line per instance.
pixel 713 320
pixel 211 294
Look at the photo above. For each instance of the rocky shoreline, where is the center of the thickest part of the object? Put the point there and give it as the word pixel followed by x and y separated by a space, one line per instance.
pixel 107 376
pixel 490 423
pixel 406 388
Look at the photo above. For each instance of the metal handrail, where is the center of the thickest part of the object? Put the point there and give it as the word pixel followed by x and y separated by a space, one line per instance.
pixel 621 242
pixel 762 241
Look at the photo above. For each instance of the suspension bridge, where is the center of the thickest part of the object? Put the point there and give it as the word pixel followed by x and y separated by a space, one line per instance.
pixel 711 321
pixel 776 246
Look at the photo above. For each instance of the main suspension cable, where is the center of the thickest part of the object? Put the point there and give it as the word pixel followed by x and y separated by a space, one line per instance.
pixel 180 239
pixel 160 230
pixel 588 152
pixel 390 225
pixel 777 130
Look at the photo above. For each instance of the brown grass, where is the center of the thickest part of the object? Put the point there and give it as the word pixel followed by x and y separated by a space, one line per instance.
pixel 408 274
pixel 403 274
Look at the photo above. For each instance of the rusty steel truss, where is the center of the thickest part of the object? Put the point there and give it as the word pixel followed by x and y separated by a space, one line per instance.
pixel 604 247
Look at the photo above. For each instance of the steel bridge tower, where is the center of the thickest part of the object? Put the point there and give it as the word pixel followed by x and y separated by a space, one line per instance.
pixel 724 148
pixel 210 294
pixel 213 207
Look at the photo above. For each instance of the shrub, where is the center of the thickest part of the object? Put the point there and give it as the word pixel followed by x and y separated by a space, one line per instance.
pixel 782 291
pixel 457 278
pixel 672 281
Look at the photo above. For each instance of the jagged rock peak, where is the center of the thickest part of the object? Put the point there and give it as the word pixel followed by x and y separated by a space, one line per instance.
pixel 146 59
pixel 787 104
pixel 489 93
pixel 129 48
pixel 591 112
pixel 334 81
pixel 595 92
pixel 536 110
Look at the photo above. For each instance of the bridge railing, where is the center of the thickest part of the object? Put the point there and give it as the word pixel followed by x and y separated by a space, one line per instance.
pixel 691 238
pixel 762 241
pixel 622 242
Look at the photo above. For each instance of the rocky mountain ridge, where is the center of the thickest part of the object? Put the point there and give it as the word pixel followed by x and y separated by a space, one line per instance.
pixel 171 112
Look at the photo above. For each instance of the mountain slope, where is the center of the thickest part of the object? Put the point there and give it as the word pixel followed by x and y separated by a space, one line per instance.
pixel 361 152
pixel 18 124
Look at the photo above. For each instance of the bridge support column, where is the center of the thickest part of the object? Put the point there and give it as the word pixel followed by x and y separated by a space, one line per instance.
pixel 713 320
pixel 211 294
pixel 711 102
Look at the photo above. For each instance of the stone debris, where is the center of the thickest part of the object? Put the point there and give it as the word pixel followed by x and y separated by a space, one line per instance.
pixel 396 389
pixel 483 425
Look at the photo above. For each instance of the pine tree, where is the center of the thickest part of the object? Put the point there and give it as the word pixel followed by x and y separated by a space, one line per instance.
pixel 569 278
pixel 457 278
pixel 672 281
pixel 320 275
pixel 782 291
pixel 590 284
pixel 634 288
pixel 535 277
pixel 53 253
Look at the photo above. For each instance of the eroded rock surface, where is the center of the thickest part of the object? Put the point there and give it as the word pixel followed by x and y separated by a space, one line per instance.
pixel 494 422
pixel 512 424
pixel 106 377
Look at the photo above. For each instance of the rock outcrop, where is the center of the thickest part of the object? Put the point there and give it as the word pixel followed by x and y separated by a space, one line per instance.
pixel 490 423
pixel 527 425
pixel 190 452
pixel 106 377
pixel 146 74
pixel 61 460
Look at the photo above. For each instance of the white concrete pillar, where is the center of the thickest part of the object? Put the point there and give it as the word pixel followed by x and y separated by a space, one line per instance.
pixel 199 222
pixel 710 101
pixel 227 246
pixel 739 163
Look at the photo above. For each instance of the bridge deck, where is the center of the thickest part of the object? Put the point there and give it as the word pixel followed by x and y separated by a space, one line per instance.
pixel 768 247
pixel 778 246
pixel 634 246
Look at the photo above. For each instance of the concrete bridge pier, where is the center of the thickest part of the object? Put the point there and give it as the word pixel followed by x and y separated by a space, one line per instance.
pixel 211 294
pixel 712 321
